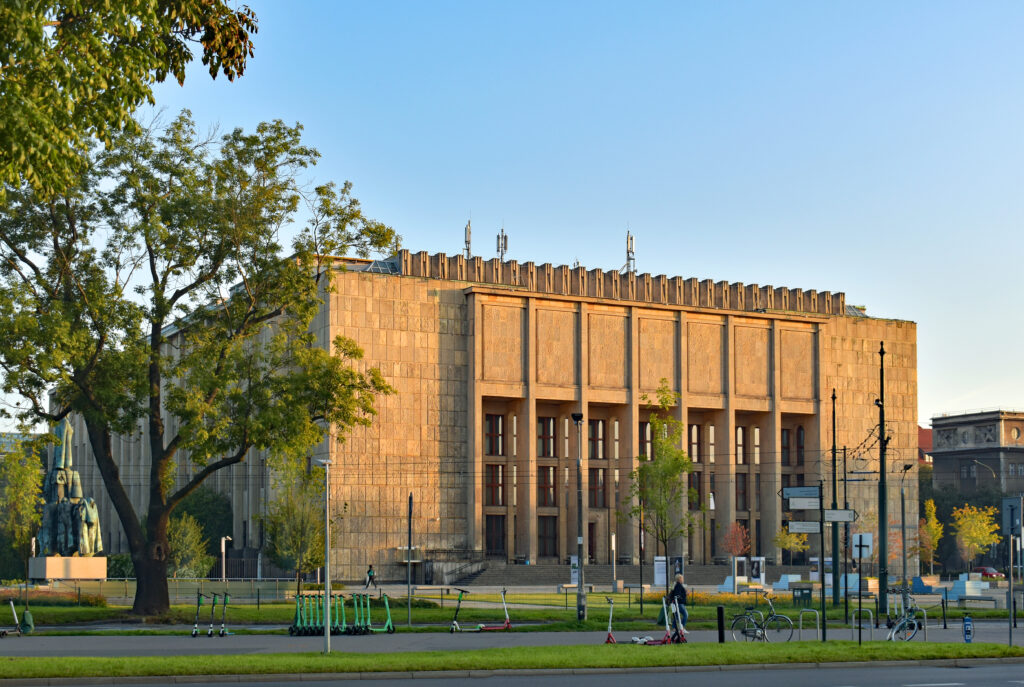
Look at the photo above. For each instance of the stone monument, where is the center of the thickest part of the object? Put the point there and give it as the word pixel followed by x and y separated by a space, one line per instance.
pixel 69 536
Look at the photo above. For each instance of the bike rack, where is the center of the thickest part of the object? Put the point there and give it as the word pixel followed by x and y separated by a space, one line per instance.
pixel 871 623
pixel 817 622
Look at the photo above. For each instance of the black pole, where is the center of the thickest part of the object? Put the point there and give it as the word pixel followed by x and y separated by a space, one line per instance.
pixel 641 533
pixel 883 510
pixel 408 570
pixel 821 538
pixel 846 545
pixel 581 590
pixel 720 614
pixel 860 599
pixel 835 505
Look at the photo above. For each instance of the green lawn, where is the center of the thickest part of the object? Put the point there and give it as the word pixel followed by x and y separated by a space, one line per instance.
pixel 590 656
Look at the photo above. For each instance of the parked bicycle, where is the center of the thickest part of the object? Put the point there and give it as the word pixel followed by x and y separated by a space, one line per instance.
pixel 753 625
pixel 903 627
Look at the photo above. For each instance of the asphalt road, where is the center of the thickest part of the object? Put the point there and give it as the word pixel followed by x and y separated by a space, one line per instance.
pixel 860 675
pixel 184 644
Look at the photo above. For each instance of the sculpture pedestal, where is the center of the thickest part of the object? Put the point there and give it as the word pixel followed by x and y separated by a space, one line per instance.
pixel 67 568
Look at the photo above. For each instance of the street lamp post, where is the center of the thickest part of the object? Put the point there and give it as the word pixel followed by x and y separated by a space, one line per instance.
pixel 883 505
pixel 903 520
pixel 835 505
pixel 326 463
pixel 581 590
pixel 224 559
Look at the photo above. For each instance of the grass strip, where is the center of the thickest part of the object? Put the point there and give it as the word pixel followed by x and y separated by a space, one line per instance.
pixel 565 657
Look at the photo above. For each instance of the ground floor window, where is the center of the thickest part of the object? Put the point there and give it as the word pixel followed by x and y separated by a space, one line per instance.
pixel 547 536
pixel 495 535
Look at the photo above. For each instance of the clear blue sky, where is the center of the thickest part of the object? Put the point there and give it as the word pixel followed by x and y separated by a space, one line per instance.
pixel 871 148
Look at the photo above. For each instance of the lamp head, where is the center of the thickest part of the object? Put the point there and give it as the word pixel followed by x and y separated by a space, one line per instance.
pixel 577 418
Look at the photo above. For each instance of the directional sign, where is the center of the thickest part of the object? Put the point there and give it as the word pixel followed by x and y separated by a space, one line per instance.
pixel 800 492
pixel 840 515
pixel 810 527
pixel 805 504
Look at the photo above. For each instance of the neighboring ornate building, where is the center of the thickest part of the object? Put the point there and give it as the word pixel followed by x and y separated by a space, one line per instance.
pixel 979 450
pixel 490 359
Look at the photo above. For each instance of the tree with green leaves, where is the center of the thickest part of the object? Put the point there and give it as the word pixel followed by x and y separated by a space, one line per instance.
pixel 929 534
pixel 155 293
pixel 21 497
pixel 658 486
pixel 294 524
pixel 212 511
pixel 187 556
pixel 72 73
pixel 976 530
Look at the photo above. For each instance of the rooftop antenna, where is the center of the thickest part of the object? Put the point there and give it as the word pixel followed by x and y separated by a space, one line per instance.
pixel 469 232
pixel 630 266
pixel 502 244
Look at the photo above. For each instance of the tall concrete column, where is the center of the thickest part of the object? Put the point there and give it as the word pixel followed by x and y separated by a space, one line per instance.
pixel 771 454
pixel 475 443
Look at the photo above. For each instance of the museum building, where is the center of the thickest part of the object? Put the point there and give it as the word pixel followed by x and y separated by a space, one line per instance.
pixel 490 359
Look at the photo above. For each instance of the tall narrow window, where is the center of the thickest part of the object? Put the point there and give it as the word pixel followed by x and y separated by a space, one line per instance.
pixel 495 485
pixel 741 447
pixel 800 445
pixel 756 437
pixel 495 535
pixel 645 439
pixel 711 443
pixel 547 492
pixel 596 476
pixel 741 491
pixel 596 428
pixel 547 536
pixel 695 443
pixel 546 437
pixel 785 447
pixel 494 435
pixel 694 496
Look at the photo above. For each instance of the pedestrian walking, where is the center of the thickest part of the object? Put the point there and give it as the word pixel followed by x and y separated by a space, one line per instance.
pixel 371 578
pixel 678 594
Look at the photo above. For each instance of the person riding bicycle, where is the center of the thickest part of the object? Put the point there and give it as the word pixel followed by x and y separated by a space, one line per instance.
pixel 678 594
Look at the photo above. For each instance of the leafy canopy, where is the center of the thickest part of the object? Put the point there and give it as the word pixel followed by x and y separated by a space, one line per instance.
pixel 736 541
pixel 154 295
pixel 658 486
pixel 976 529
pixel 74 72
pixel 294 522
pixel 21 494
pixel 794 542
pixel 188 557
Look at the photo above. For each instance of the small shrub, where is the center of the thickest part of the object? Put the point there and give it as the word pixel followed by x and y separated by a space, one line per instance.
pixel 120 566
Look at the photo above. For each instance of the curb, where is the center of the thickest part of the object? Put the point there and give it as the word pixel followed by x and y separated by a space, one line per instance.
pixel 436 674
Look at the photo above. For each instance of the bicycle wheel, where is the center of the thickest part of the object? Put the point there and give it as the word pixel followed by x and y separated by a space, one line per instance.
pixel 905 630
pixel 779 628
pixel 744 628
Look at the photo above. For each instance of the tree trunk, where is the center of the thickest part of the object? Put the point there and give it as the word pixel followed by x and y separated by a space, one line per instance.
pixel 151 597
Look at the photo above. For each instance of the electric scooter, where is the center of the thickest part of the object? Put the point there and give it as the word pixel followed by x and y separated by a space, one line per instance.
pixel 199 602
pixel 669 637
pixel 223 615
pixel 507 625
pixel 213 607
pixel 455 627
pixel 610 639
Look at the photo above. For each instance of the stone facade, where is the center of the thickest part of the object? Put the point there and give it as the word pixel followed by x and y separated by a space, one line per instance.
pixel 490 358
pixel 979 450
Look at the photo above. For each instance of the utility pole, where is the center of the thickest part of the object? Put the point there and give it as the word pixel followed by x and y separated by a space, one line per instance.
pixel 883 509
pixel 835 505
pixel 581 590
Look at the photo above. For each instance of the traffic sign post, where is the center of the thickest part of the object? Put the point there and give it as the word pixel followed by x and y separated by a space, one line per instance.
pixel 840 515
pixel 804 527
pixel 862 545
pixel 803 503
